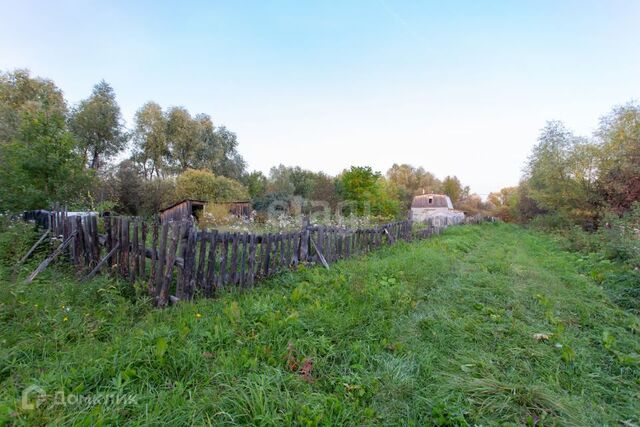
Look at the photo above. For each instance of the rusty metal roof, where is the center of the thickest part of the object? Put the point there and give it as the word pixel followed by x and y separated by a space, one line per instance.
pixel 432 201
pixel 193 201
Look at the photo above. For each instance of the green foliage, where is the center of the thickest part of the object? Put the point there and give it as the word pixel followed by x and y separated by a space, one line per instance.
pixel 203 185
pixel 16 238
pixel 367 192
pixel 619 180
pixel 256 183
pixel 151 149
pixel 436 332
pixel 561 174
pixel 452 187
pixel 40 166
pixel 171 142
pixel 20 95
pixel 98 126
pixel 409 181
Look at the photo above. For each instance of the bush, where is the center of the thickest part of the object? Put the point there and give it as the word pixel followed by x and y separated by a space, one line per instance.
pixel 620 236
pixel 16 238
pixel 204 185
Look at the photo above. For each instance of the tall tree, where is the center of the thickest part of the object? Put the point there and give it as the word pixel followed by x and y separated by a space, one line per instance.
pixel 40 165
pixel 151 151
pixel 619 178
pixel 184 138
pixel 560 173
pixel 22 94
pixel 98 126
pixel 452 187
pixel 256 183
pixel 409 181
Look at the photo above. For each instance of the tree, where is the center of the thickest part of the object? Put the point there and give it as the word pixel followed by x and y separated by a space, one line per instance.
pixel 22 94
pixel 619 178
pixel 204 185
pixel 325 189
pixel 561 174
pixel 229 162
pixel 129 188
pixel 151 151
pixel 256 184
pixel 183 138
pixel 365 188
pixel 40 165
pixel 291 180
pixel 452 187
pixel 505 204
pixel 409 181
pixel 98 127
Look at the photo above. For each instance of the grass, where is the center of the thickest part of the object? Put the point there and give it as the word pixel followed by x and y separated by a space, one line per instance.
pixel 437 332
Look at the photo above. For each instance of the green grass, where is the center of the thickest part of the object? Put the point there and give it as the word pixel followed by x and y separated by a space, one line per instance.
pixel 437 332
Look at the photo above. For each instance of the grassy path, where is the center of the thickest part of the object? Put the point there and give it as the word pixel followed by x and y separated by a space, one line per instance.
pixel 439 332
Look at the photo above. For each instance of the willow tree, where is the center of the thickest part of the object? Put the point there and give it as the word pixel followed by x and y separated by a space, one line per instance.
pixel 98 127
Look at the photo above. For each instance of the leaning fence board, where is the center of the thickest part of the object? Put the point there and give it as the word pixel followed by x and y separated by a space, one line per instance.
pixel 101 263
pixel 33 248
pixel 50 258
pixel 320 256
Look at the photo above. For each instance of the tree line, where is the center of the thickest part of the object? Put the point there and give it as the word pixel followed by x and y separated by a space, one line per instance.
pixel 85 156
pixel 578 180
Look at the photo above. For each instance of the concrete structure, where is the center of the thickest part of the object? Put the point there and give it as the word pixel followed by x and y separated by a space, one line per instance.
pixel 435 208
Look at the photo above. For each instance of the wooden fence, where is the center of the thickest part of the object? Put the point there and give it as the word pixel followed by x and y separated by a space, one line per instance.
pixel 176 261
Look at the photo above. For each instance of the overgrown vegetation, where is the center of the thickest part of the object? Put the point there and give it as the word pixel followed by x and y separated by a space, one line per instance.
pixel 491 324
pixel 52 153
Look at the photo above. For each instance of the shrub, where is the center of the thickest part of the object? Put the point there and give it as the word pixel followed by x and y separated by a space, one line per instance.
pixel 620 236
pixel 204 185
pixel 16 238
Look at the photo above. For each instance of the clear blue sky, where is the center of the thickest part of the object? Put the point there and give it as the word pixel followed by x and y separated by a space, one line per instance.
pixel 459 87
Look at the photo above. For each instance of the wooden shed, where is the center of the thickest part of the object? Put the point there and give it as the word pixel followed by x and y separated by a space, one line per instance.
pixel 182 210
pixel 237 209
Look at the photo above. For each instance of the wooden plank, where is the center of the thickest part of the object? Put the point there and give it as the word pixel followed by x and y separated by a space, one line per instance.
pixel 143 251
pixel 296 249
pixel 267 255
pixel 243 260
pixel 154 257
pixel 202 238
pixel 284 243
pixel 161 258
pixel 50 258
pixel 82 242
pixel 109 237
pixel 223 276
pixel 95 238
pixel 33 248
pixel 320 256
pixel 188 271
pixel 101 263
pixel 136 252
pixel 252 260
pixel 233 267
pixel 163 295
pixel 210 277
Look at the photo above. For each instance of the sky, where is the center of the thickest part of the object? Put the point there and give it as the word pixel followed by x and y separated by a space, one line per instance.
pixel 458 87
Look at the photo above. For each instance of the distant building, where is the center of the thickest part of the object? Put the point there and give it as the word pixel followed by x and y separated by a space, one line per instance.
pixel 427 207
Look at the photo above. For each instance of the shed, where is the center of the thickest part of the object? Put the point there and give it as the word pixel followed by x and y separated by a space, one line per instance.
pixel 428 206
pixel 237 209
pixel 182 210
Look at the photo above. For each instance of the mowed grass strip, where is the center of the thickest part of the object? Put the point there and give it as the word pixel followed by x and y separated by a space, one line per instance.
pixel 488 324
